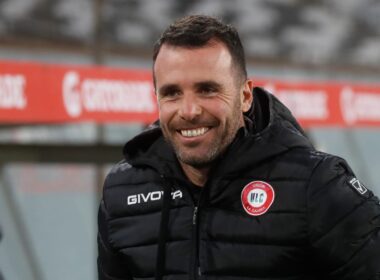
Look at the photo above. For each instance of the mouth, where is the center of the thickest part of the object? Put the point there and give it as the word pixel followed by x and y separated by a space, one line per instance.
pixel 194 132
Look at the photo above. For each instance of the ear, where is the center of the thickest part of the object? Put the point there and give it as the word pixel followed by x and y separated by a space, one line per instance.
pixel 246 96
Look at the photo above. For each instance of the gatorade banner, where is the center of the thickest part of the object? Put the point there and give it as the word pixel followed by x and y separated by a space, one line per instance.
pixel 50 93
pixel 43 93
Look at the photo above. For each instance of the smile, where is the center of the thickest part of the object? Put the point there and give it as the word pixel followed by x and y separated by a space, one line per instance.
pixel 194 132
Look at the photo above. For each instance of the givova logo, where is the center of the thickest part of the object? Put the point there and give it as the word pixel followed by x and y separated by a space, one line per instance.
pixel 150 196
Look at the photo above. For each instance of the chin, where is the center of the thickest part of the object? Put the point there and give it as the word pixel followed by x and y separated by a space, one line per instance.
pixel 197 161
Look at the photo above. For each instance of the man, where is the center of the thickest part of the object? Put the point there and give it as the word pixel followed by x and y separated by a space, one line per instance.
pixel 226 185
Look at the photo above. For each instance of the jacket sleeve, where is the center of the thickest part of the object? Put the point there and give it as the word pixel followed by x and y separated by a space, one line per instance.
pixel 111 265
pixel 344 223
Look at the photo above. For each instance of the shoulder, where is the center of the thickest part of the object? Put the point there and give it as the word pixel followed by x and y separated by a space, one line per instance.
pixel 117 173
pixel 333 180
pixel 335 195
pixel 343 219
pixel 333 173
pixel 123 173
pixel 326 176
pixel 321 166
pixel 125 180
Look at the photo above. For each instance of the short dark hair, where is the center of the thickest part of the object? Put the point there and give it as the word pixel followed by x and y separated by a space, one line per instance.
pixel 197 30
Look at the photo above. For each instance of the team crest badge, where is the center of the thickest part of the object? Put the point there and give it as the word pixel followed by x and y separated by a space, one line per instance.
pixel 257 197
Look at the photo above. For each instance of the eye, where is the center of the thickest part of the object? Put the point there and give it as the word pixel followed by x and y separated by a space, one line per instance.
pixel 208 88
pixel 170 94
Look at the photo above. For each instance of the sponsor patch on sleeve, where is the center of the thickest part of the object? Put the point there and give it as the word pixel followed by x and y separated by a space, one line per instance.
pixel 358 186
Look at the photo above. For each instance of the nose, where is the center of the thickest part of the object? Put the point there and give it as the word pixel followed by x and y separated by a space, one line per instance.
pixel 189 107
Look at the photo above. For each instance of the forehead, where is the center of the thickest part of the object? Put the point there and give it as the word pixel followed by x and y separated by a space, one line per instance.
pixel 207 62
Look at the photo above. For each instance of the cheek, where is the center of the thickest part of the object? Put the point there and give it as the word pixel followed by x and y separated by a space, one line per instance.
pixel 220 109
pixel 167 111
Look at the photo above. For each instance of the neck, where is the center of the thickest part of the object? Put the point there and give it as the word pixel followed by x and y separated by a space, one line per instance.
pixel 198 176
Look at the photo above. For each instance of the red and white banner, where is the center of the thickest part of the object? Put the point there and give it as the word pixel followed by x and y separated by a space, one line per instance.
pixel 329 103
pixel 46 93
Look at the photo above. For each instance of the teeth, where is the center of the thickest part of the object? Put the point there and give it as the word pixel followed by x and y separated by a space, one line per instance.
pixel 194 132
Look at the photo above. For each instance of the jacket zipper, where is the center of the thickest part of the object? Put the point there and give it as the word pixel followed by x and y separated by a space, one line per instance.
pixel 197 268
pixel 196 271
pixel 195 216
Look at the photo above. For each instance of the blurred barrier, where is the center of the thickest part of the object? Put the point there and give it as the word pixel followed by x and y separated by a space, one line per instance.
pixel 46 93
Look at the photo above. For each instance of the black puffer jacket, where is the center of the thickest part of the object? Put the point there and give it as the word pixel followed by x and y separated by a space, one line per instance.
pixel 322 224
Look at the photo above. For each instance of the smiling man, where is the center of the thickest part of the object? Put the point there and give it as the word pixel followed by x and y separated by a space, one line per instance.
pixel 201 96
pixel 226 185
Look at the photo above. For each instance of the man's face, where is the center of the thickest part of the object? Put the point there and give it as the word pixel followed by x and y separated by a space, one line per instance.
pixel 201 100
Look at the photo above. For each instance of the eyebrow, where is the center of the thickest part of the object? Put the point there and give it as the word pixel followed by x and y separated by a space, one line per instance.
pixel 198 85
pixel 210 83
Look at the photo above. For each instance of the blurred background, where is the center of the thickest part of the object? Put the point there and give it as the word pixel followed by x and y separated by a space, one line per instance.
pixel 51 175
